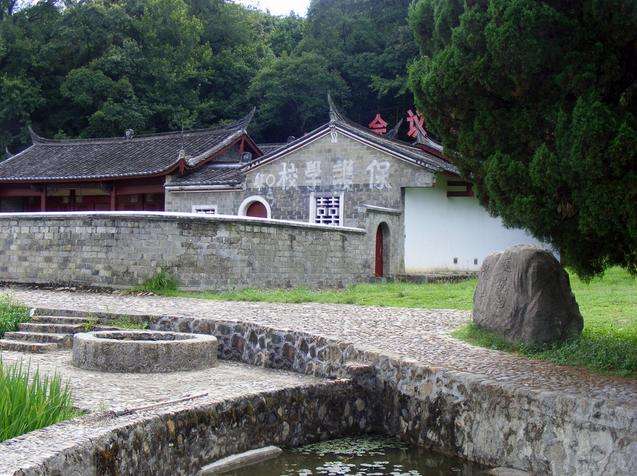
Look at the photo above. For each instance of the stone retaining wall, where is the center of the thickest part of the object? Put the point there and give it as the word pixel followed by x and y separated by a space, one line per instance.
pixel 202 252
pixel 181 437
pixel 469 415
pixel 464 414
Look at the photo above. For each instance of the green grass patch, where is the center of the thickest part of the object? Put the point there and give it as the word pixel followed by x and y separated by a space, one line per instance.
pixel 162 282
pixel 11 314
pixel 395 294
pixel 608 343
pixel 29 400
pixel 126 322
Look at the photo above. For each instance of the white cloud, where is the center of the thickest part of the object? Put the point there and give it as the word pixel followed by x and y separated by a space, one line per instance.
pixel 280 7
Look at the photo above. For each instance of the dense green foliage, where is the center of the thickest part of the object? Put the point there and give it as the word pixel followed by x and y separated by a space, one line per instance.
pixel 98 67
pixel 537 102
pixel 29 401
pixel 11 315
pixel 608 304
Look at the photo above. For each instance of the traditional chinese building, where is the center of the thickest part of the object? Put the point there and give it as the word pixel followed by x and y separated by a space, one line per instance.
pixel 420 213
pixel 411 200
pixel 121 173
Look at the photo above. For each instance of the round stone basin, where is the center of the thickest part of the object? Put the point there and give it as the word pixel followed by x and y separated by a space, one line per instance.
pixel 143 351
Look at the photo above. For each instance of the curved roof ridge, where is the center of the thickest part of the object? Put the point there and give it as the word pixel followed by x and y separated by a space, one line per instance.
pixel 335 114
pixel 238 125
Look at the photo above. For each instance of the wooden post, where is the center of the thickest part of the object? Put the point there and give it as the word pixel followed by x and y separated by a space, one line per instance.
pixel 43 199
pixel 113 198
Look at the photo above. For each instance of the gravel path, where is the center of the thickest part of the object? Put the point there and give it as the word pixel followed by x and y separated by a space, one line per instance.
pixel 99 391
pixel 418 334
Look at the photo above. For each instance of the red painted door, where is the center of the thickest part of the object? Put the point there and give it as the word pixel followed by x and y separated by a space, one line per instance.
pixel 257 210
pixel 379 253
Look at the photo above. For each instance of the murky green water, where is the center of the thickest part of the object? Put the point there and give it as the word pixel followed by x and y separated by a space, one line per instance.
pixel 369 456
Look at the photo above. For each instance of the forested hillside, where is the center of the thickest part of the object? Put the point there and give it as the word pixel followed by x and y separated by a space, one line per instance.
pixel 94 68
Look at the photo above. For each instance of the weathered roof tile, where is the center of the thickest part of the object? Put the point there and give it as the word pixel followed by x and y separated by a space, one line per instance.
pixel 94 159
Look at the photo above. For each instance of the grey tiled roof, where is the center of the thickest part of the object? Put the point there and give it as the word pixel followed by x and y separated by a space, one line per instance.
pixel 210 174
pixel 91 159
pixel 267 148
pixel 405 150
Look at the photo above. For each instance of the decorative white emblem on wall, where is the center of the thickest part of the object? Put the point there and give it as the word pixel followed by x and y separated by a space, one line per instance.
pixel 343 172
pixel 333 136
pixel 327 209
pixel 313 173
pixel 379 175
pixel 288 176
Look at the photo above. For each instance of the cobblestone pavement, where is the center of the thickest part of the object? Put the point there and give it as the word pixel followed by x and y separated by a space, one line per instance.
pixel 97 391
pixel 414 333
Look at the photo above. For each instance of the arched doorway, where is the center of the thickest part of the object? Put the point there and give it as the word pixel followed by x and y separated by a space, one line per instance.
pixel 255 206
pixel 382 251
pixel 257 210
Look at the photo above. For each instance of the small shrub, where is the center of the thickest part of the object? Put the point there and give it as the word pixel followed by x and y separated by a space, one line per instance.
pixel 90 324
pixel 160 283
pixel 29 401
pixel 126 322
pixel 11 314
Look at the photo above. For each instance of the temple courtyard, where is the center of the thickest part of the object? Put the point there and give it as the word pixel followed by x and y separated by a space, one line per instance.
pixel 290 374
pixel 420 335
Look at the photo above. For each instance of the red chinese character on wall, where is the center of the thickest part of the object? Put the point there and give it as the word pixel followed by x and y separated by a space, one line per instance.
pixel 416 121
pixel 378 125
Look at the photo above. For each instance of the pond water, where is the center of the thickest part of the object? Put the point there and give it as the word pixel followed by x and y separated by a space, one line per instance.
pixel 367 456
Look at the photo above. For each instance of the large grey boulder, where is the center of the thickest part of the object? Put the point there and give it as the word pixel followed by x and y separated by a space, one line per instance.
pixel 524 295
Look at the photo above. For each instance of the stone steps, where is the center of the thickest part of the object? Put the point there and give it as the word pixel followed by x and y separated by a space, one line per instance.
pixel 46 333
pixel 23 346
pixel 60 320
pixel 62 340
pixel 50 328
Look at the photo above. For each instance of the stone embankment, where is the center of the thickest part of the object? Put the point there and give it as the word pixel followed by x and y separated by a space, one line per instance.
pixel 544 426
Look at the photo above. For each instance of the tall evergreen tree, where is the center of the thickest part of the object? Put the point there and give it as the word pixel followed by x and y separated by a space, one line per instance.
pixel 537 103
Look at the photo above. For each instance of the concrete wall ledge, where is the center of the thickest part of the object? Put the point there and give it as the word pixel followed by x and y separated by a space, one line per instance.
pixel 174 216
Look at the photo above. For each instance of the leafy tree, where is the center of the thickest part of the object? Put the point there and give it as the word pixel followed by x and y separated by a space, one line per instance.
pixel 286 34
pixel 89 68
pixel 536 101
pixel 369 43
pixel 96 67
pixel 292 95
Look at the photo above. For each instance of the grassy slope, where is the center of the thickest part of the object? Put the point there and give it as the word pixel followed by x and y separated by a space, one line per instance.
pixel 608 304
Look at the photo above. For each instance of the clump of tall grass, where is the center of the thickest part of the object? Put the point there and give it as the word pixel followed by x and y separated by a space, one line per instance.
pixel 11 314
pixel 30 400
pixel 159 283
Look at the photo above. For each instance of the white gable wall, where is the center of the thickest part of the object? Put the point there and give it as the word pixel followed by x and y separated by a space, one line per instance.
pixel 439 229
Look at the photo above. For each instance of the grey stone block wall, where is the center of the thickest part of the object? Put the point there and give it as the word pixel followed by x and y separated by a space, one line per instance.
pixel 226 201
pixel 202 252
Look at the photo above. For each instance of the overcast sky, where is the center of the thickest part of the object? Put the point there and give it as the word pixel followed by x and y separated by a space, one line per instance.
pixel 280 7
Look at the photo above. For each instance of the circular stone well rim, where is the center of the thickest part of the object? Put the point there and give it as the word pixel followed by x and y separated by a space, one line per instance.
pixel 110 351
pixel 179 336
